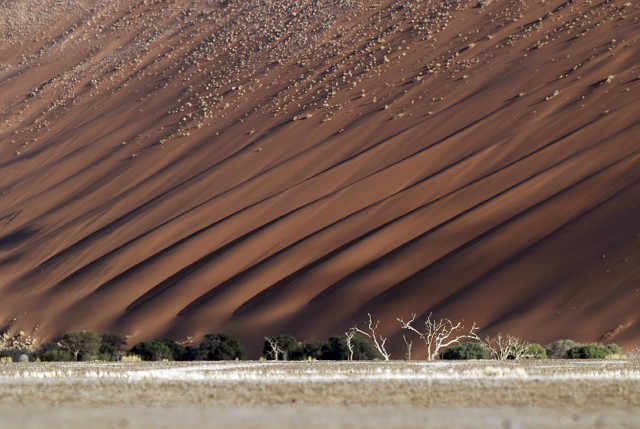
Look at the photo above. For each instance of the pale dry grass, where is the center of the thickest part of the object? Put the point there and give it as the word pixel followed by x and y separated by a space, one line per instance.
pixel 324 394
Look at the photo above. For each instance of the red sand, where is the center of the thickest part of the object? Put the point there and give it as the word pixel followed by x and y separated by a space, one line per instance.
pixel 258 167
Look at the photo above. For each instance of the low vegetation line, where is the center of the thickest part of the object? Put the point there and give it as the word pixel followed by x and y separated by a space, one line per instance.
pixel 442 338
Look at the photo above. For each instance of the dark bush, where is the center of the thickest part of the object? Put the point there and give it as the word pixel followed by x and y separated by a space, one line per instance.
pixel 559 349
pixel 468 350
pixel 287 345
pixel 588 351
pixel 112 347
pixel 177 349
pixel 336 349
pixel 190 353
pixel 308 351
pixel 52 352
pixel 14 354
pixel 153 350
pixel 219 347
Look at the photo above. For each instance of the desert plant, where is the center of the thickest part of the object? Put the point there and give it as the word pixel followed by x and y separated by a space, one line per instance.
pixel 349 340
pixel 634 353
pixel 84 345
pixel 112 347
pixel 153 350
pixel 588 351
pixel 408 347
pixel 131 358
pixel 536 351
pixel 378 340
pixel 614 350
pixel 507 348
pixel 177 349
pixel 220 347
pixel 440 334
pixel 558 349
pixel 14 355
pixel 309 351
pixel 336 349
pixel 52 352
pixel 468 350
pixel 280 347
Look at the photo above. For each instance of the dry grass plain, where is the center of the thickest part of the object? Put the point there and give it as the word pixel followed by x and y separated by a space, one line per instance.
pixel 483 394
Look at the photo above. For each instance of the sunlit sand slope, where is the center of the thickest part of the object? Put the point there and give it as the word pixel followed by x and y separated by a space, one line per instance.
pixel 257 167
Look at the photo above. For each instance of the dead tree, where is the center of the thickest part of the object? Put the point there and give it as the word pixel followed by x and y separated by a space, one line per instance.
pixel 276 350
pixel 378 340
pixel 634 353
pixel 440 334
pixel 408 346
pixel 509 347
pixel 350 334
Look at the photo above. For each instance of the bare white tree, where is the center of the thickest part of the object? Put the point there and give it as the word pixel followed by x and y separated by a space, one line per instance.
pixel 350 334
pixel 408 346
pixel 276 350
pixel 509 347
pixel 634 353
pixel 440 334
pixel 378 340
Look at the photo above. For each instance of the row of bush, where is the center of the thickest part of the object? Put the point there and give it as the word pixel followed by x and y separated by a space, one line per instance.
pixel 89 346
pixel 561 349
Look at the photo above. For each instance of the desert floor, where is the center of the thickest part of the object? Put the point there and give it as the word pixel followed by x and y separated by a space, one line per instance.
pixel 483 394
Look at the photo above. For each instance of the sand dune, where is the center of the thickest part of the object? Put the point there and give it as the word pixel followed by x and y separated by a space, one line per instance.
pixel 256 167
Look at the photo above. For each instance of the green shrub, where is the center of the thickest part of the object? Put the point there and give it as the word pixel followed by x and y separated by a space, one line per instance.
pixel 336 349
pixel 52 352
pixel 153 350
pixel 83 345
pixel 614 349
pixel 177 349
pixel 112 347
pixel 588 351
pixel 559 349
pixel 308 351
pixel 468 350
pixel 218 347
pixel 536 351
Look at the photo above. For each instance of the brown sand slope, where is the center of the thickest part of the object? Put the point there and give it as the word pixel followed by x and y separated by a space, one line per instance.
pixel 255 167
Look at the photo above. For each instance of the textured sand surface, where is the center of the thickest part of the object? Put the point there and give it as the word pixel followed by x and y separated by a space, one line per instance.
pixel 322 394
pixel 257 167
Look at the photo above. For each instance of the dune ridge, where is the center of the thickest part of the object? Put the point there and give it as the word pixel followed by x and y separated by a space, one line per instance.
pixel 257 167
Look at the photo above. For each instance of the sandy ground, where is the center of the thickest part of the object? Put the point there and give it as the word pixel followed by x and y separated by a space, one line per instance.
pixel 312 394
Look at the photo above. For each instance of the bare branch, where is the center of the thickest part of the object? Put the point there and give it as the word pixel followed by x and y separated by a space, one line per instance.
pixel 408 346
pixel 378 340
pixel 439 334
pixel 634 353
pixel 509 347
pixel 350 334
pixel 276 350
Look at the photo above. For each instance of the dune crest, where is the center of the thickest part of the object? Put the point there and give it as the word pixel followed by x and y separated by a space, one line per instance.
pixel 257 167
